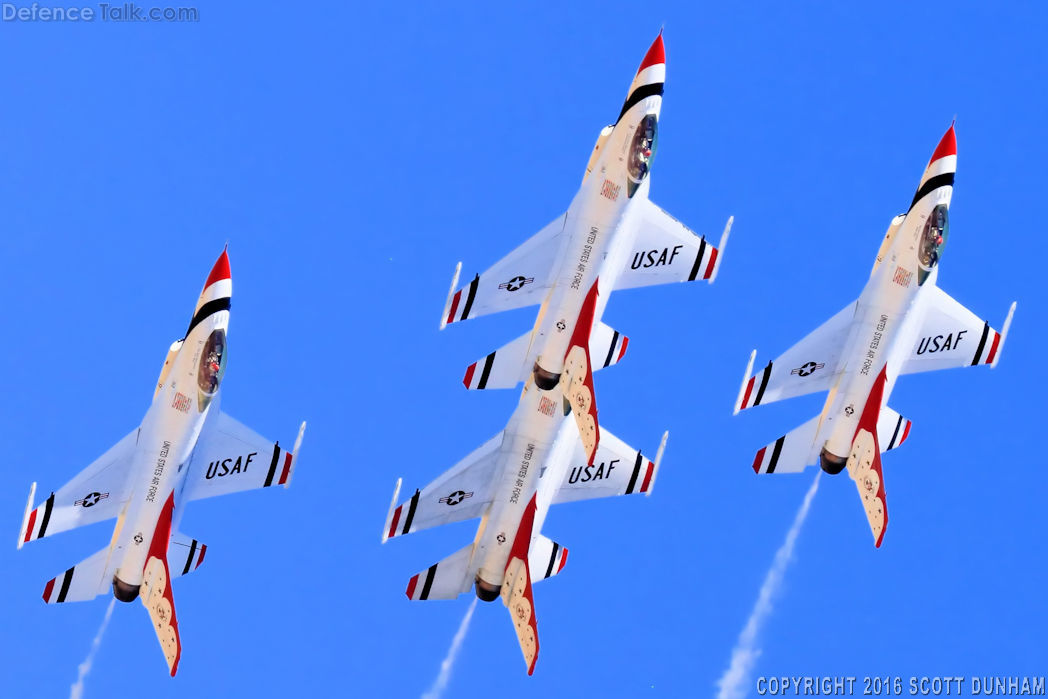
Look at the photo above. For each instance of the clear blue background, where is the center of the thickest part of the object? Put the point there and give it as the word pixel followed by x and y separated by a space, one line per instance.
pixel 351 156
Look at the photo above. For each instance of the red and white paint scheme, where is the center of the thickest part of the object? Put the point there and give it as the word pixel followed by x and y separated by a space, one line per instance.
pixel 184 449
pixel 510 483
pixel 611 237
pixel 902 323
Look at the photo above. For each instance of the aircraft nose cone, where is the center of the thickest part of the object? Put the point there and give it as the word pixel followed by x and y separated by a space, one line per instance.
pixel 947 145
pixel 220 271
pixel 655 55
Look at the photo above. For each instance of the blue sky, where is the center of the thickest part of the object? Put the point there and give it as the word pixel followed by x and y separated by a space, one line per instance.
pixel 351 155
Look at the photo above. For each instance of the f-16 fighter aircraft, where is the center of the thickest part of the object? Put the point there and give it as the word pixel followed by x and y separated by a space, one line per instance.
pixel 510 482
pixel 611 237
pixel 185 449
pixel 902 323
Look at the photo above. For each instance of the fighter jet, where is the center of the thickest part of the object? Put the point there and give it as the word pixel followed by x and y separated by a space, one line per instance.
pixel 510 483
pixel 185 449
pixel 902 323
pixel 611 237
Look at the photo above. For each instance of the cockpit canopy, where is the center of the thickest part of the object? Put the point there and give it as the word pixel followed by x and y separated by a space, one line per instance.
pixel 642 151
pixel 212 365
pixel 933 240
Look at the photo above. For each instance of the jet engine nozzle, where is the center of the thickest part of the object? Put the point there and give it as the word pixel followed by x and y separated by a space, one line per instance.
pixel 487 592
pixel 545 380
pixel 124 592
pixel 831 463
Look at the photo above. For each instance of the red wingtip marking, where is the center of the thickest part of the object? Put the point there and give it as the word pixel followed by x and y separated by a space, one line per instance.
pixel 393 524
pixel 993 347
pixel 454 306
pixel 411 586
pixel 563 560
pixel 905 432
pixel 48 589
pixel 655 55
pixel 622 349
pixel 947 146
pixel 203 550
pixel 709 267
pixel 647 477
pixel 220 271
pixel 759 458
pixel 29 527
pixel 468 378
pixel 287 468
pixel 746 396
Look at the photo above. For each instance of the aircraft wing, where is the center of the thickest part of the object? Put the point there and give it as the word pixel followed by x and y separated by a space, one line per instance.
pixel 666 251
pixel 618 469
pixel 94 495
pixel 952 336
pixel 231 457
pixel 460 493
pixel 807 367
pixel 519 279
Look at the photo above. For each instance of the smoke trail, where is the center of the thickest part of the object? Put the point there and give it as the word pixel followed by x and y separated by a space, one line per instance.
pixel 736 679
pixel 441 683
pixel 77 689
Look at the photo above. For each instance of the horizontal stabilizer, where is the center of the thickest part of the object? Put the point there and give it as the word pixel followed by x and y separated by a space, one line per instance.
pixel 792 452
pixel 184 554
pixel 86 580
pixel 892 429
pixel 507 366
pixel 800 447
pixel 546 558
pixel 444 580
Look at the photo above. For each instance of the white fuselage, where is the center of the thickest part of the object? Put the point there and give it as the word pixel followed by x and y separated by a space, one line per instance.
pixel 599 231
pixel 888 318
pixel 525 451
pixel 167 436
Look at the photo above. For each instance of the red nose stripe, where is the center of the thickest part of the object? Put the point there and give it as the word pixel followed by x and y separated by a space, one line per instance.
pixel 220 271
pixel 947 146
pixel 655 55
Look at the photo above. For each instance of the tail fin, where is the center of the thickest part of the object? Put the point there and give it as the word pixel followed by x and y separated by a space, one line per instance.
pixel 156 590
pixel 864 462
pixel 516 589
pixel 444 580
pixel 577 379
pixel 86 580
